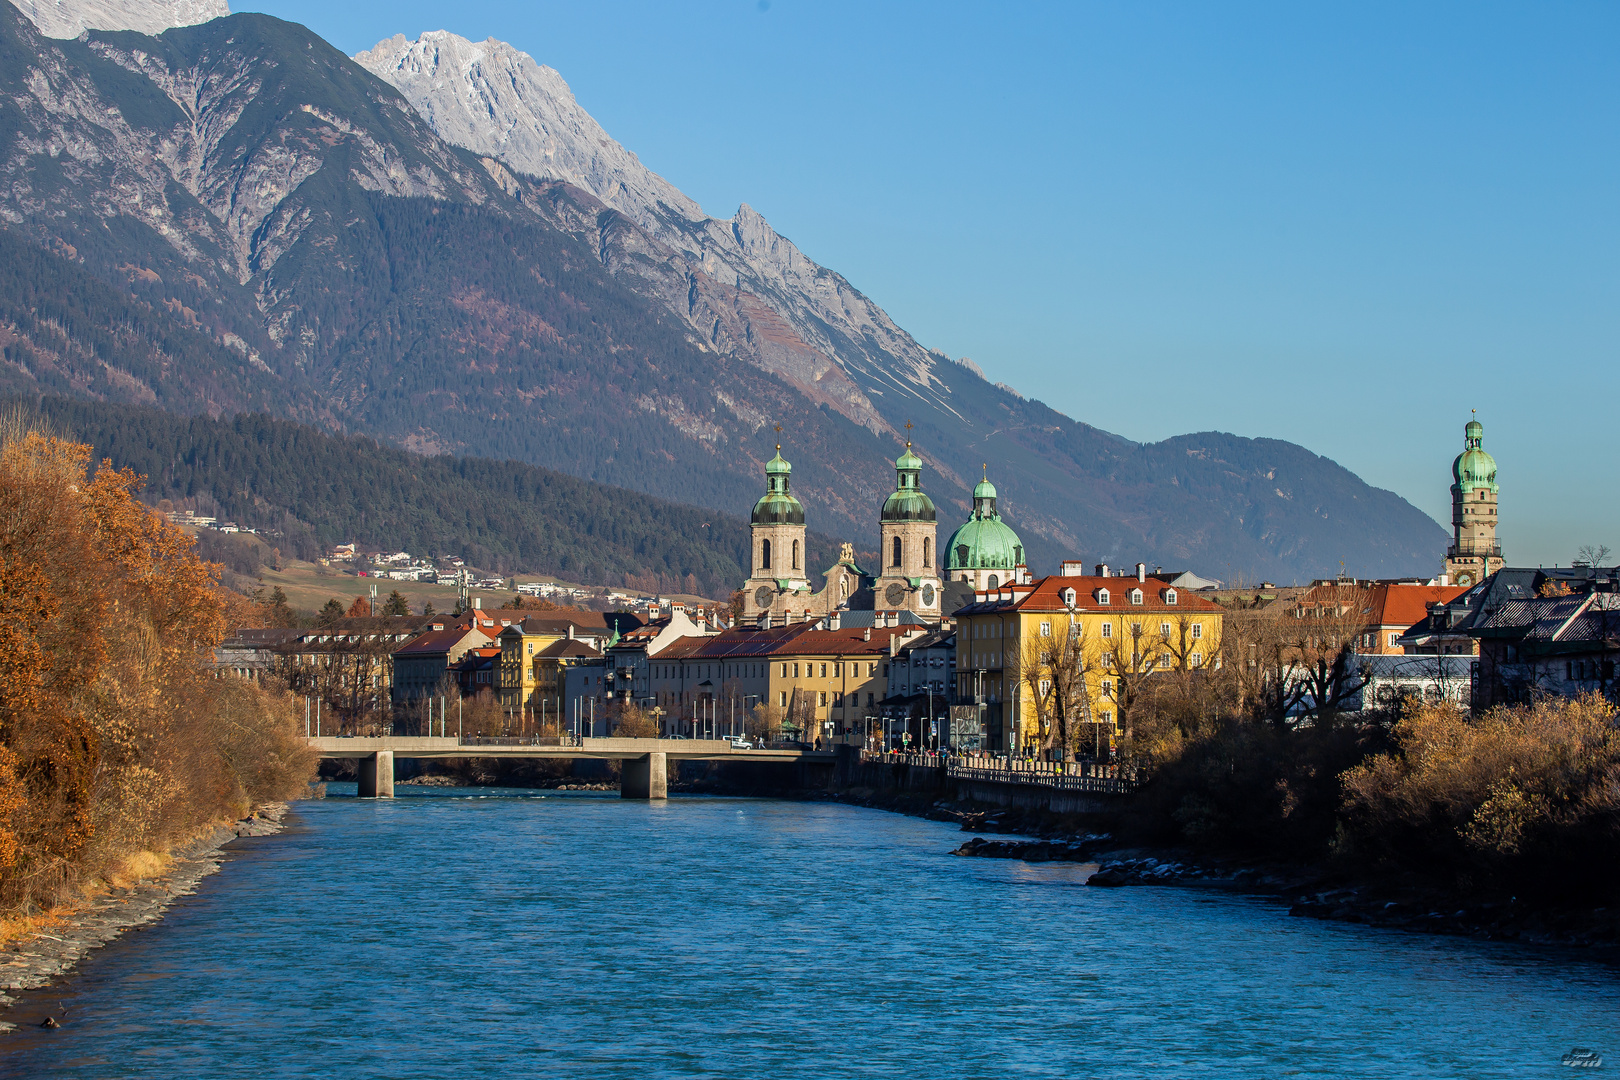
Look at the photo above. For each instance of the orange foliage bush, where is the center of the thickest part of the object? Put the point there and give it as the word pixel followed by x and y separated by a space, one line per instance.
pixel 1525 791
pixel 114 735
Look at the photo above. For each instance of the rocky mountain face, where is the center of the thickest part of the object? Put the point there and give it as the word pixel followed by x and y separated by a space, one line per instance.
pixel 242 217
pixel 70 18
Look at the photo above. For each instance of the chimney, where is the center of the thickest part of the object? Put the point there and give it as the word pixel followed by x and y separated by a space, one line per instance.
pixel 868 635
pixel 1102 569
pixel 1141 571
pixel 478 603
pixel 1071 568
pixel 570 631
pixel 835 621
pixel 764 620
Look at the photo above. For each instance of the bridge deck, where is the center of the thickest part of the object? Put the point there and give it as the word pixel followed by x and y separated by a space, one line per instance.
pixel 433 746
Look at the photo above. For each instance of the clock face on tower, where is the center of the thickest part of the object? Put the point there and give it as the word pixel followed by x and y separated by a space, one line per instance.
pixel 762 596
pixel 894 594
pixel 1465 577
pixel 928 596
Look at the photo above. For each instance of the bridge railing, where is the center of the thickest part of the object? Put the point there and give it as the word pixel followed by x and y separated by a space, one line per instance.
pixel 520 740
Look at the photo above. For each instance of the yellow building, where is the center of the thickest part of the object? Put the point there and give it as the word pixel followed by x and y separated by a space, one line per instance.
pixel 1067 650
pixel 533 650
pixel 826 682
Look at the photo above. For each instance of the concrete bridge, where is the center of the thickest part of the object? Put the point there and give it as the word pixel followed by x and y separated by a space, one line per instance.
pixel 643 774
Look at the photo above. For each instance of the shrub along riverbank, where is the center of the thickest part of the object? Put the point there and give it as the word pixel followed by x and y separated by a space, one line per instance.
pixel 116 740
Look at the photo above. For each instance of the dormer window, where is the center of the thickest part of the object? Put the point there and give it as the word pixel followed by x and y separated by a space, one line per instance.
pixel 1102 596
pixel 1170 597
pixel 1136 596
pixel 1068 597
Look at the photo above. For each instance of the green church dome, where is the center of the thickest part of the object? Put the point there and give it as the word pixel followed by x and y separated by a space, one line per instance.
pixel 908 503
pixel 1474 468
pixel 984 541
pixel 777 506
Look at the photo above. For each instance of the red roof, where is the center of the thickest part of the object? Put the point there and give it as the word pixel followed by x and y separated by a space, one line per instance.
pixel 795 639
pixel 1407 605
pixel 440 641
pixel 1046 594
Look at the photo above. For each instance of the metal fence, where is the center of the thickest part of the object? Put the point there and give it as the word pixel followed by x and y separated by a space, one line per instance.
pixel 1064 776
pixel 520 740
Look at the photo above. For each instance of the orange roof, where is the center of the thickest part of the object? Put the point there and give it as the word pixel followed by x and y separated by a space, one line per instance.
pixel 1046 594
pixel 1408 605
pixel 795 639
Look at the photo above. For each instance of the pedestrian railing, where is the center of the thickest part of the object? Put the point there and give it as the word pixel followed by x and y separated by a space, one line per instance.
pixel 1086 776
pixel 519 740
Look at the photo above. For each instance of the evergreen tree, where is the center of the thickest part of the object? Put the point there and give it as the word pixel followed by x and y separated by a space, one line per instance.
pixel 396 604
pixel 331 611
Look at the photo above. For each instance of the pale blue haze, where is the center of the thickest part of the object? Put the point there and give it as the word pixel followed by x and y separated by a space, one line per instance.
pixel 1341 225
pixel 480 933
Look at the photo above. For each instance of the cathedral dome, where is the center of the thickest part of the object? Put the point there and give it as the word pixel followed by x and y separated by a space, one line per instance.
pixel 984 541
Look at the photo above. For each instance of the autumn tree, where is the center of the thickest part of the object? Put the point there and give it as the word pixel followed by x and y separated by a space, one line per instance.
pixel 361 608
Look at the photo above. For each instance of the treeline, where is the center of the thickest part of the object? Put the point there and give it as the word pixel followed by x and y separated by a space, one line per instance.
pixel 313 490
pixel 116 740
pixel 1521 801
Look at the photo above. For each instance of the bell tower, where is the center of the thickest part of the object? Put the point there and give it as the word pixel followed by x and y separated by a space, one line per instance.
pixel 777 539
pixel 1475 553
pixel 909 576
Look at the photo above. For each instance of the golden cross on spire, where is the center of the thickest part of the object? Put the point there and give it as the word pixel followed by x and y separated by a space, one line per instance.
pixel 908 434
pixel 778 438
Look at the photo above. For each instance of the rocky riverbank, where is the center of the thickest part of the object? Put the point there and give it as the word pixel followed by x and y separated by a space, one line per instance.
pixel 1315 892
pixel 40 959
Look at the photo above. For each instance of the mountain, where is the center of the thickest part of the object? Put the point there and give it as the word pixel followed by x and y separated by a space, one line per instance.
pixel 328 254
pixel 70 18
pixel 311 490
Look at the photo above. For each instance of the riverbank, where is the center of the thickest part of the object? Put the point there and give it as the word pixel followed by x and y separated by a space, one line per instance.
pixel 1311 891
pixel 40 957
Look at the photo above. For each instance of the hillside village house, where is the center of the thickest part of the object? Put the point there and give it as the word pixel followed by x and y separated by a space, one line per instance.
pixel 1011 640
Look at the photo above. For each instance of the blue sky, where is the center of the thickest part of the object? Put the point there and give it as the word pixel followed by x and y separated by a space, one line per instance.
pixel 1345 226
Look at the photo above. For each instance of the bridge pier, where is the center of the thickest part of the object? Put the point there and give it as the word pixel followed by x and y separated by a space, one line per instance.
pixel 377 775
pixel 644 777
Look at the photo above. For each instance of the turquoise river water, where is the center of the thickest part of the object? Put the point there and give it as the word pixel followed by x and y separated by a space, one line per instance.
pixel 461 933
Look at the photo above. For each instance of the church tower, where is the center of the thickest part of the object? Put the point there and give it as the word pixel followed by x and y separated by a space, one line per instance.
pixel 1475 553
pixel 909 575
pixel 777 534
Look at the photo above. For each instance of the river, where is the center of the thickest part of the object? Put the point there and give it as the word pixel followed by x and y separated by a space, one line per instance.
pixel 472 933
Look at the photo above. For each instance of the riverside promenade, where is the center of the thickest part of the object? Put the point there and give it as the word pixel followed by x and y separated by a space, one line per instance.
pixel 1061 787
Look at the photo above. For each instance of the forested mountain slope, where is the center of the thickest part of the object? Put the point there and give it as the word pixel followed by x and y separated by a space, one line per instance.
pixel 276 228
pixel 314 490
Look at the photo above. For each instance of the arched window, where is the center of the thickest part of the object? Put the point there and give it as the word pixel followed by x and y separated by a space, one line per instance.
pixel 928 552
pixel 1136 596
pixel 1068 597
pixel 1102 596
pixel 764 554
pixel 994 581
pixel 962 555
pixel 896 561
pixel 1170 596
pixel 795 554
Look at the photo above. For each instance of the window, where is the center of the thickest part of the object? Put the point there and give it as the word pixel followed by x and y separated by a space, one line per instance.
pixel 764 554
pixel 1046 629
pixel 928 552
pixel 1068 597
pixel 896 560
pixel 782 699
pixel 1197 631
pixel 823 697
pixel 823 671
pixel 795 554
pixel 1164 660
pixel 1170 597
pixel 1102 596
pixel 871 699
pixel 838 671
pixel 1393 638
pixel 796 671
pixel 1108 688
pixel 994 581
pixel 1164 629
pixel 1108 630
pixel 1136 596
pixel 1196 659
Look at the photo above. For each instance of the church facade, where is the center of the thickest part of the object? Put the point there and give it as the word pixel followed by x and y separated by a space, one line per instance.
pixel 906 579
